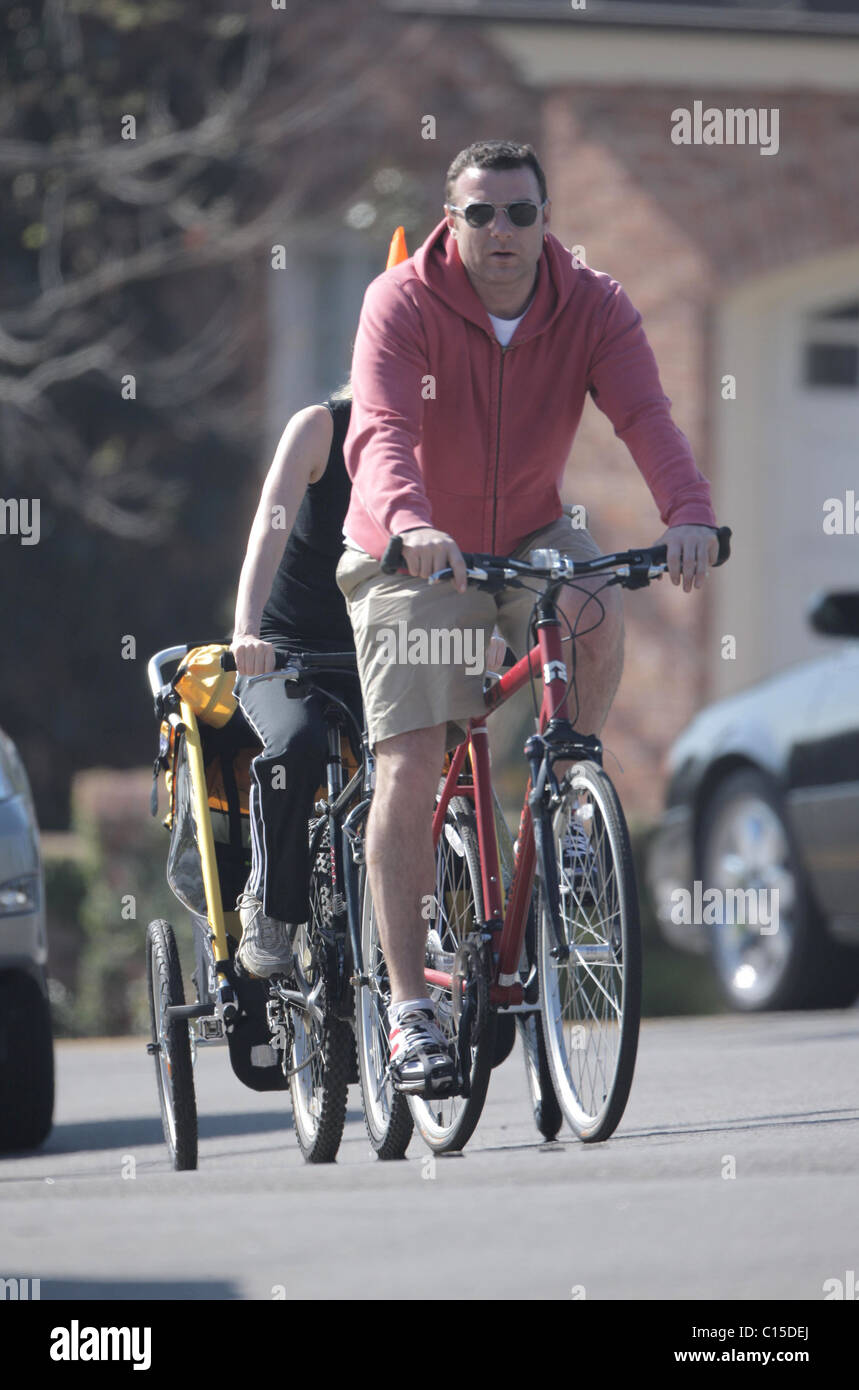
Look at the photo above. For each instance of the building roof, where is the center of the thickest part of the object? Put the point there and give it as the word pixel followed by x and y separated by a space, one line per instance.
pixel 806 17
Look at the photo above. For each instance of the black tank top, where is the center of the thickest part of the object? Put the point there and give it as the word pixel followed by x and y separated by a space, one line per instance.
pixel 305 608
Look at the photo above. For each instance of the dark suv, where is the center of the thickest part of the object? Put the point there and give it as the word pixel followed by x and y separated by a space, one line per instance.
pixel 26 1042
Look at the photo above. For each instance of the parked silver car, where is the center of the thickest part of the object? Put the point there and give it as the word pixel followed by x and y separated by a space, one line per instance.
pixel 26 1042
pixel 756 858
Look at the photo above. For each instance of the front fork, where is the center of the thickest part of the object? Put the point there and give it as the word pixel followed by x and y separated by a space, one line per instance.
pixel 352 840
pixel 557 741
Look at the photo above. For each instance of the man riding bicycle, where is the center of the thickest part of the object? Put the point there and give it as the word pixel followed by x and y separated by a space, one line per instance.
pixel 470 371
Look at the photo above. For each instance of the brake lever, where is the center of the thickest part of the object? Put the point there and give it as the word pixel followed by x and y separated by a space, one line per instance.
pixel 480 575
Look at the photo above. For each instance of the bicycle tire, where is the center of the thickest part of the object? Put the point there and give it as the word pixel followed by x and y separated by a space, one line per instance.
pixel 321 1056
pixel 387 1117
pixel 541 1090
pixel 548 1116
pixel 173 1066
pixel 26 1063
pixel 447 1125
pixel 597 993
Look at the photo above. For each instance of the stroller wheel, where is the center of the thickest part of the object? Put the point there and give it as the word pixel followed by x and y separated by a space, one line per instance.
pixel 171 1046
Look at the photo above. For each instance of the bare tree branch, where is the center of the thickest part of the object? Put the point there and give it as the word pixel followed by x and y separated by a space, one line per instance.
pixel 95 357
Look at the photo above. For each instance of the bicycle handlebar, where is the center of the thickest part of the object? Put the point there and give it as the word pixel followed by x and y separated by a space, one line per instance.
pixel 228 661
pixel 654 555
pixel 345 662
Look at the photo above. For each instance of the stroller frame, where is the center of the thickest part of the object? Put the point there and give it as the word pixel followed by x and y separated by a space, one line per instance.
pixel 275 1029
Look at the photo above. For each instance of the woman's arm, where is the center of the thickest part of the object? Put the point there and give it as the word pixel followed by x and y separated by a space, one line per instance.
pixel 299 460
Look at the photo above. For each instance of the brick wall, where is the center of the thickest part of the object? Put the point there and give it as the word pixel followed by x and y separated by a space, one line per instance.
pixel 678 225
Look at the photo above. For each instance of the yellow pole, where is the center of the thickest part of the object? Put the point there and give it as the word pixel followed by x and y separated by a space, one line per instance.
pixel 205 839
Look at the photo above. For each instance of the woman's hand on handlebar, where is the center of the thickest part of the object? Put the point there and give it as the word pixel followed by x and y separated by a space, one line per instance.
pixel 426 550
pixel 253 656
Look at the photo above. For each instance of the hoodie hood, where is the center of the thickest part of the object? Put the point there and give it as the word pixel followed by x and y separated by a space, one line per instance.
pixel 438 266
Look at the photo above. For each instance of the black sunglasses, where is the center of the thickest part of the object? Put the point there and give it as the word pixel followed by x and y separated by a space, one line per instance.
pixel 521 214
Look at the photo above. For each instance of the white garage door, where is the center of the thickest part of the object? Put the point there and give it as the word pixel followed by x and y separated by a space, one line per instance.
pixel 813 471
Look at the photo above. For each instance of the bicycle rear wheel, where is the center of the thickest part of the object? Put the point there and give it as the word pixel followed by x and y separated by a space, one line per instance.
pixel 386 1112
pixel 171 1046
pixel 591 1002
pixel 447 1125
pixel 322 1045
pixel 544 1104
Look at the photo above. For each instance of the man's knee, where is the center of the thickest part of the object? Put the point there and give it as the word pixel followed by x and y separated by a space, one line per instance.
pixel 412 759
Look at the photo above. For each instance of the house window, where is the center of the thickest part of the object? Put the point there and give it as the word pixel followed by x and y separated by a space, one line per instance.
pixel 832 347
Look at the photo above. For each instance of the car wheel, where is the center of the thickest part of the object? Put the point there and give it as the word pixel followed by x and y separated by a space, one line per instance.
pixel 26 1063
pixel 787 961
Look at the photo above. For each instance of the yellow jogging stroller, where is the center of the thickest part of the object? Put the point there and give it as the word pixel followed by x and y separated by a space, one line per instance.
pixel 204 755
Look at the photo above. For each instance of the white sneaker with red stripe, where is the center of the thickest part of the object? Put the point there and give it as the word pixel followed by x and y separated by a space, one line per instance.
pixel 422 1063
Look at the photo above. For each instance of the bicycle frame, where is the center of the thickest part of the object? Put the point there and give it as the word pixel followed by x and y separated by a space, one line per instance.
pixel 509 921
pixel 347 803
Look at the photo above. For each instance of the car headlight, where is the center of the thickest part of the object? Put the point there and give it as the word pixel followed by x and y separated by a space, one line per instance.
pixel 19 895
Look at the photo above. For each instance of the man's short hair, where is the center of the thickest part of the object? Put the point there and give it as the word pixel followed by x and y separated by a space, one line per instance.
pixel 495 154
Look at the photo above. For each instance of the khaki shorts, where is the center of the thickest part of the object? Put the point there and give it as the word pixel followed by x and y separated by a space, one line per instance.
pixel 421 646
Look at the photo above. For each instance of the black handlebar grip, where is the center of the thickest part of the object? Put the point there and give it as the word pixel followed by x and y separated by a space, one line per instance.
pixel 724 537
pixel 228 661
pixel 393 556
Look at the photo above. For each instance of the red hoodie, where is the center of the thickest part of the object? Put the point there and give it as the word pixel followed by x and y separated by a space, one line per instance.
pixel 451 430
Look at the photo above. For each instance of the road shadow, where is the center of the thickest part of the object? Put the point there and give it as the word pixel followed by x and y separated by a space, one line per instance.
pixel 88 1136
pixel 148 1290
pixel 840 1116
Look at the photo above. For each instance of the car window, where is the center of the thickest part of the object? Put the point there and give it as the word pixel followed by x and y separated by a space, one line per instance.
pixel 13 776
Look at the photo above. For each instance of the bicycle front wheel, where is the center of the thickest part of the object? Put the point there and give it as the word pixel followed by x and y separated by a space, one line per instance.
pixel 591 1001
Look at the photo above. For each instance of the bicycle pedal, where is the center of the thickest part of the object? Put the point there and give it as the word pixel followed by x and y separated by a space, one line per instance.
pixel 210 1029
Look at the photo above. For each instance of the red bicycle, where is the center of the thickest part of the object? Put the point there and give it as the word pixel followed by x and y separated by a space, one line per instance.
pixel 547 932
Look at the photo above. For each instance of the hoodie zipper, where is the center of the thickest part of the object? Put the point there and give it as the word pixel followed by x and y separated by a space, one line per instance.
pixel 497 449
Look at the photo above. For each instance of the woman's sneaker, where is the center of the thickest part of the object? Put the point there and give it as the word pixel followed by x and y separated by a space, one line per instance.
pixel 266 945
pixel 422 1062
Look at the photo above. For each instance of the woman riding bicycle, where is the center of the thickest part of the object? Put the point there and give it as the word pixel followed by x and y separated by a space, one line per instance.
pixel 288 601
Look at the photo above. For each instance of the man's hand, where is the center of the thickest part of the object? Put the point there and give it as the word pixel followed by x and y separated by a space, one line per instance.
pixel 691 550
pixel 426 550
pixel 253 656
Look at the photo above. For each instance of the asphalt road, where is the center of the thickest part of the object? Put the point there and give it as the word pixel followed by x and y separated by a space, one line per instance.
pixel 652 1214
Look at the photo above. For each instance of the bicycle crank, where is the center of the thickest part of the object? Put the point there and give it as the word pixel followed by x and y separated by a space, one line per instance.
pixel 470 987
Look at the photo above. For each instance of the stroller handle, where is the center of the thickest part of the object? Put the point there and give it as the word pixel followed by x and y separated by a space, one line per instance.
pixel 159 660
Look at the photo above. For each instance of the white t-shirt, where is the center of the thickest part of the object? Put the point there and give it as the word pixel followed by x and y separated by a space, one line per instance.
pixel 505 328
